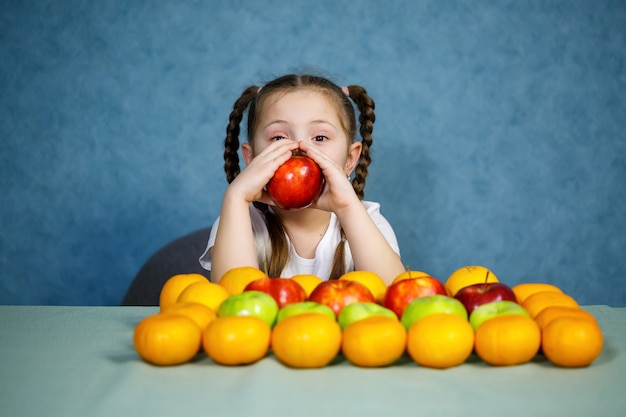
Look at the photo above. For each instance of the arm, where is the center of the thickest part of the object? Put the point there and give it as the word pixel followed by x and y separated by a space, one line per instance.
pixel 234 243
pixel 370 249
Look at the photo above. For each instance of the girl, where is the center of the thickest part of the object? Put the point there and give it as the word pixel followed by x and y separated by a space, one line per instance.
pixel 338 232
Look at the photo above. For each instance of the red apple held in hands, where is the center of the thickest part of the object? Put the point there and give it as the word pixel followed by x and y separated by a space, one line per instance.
pixel 400 293
pixel 337 294
pixel 296 183
pixel 283 290
pixel 475 295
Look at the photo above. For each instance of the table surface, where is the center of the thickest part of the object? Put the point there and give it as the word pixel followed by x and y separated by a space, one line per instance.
pixel 80 361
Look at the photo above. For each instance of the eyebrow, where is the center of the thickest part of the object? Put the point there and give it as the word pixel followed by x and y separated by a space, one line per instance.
pixel 274 122
pixel 312 122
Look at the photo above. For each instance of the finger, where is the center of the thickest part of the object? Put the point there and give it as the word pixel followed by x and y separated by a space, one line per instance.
pixel 279 147
pixel 315 154
pixel 274 156
pixel 329 167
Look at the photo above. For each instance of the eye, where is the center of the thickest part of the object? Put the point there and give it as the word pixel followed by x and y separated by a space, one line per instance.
pixel 277 137
pixel 320 138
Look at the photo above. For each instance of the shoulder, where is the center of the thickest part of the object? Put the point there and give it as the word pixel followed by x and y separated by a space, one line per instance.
pixel 372 207
pixel 257 220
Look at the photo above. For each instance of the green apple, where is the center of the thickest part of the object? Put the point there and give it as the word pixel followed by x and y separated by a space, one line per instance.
pixel 431 304
pixel 304 307
pixel 493 309
pixel 250 303
pixel 357 311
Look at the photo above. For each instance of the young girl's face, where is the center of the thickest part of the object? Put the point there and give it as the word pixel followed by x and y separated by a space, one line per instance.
pixel 304 115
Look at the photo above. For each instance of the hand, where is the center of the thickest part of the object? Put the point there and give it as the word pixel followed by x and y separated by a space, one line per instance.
pixel 249 185
pixel 338 193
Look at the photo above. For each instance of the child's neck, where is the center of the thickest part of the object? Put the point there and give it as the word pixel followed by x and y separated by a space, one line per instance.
pixel 305 229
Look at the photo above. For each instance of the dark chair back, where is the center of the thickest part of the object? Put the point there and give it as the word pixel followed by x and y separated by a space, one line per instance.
pixel 177 257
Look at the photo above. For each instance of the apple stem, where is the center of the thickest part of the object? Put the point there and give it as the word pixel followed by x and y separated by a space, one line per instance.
pixel 487 277
pixel 407 268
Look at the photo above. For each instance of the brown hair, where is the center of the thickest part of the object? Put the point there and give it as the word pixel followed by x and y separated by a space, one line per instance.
pixel 253 99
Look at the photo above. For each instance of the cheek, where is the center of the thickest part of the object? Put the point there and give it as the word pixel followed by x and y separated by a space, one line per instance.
pixel 340 157
pixel 258 145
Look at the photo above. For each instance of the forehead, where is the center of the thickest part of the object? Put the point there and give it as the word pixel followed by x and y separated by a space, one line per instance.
pixel 306 101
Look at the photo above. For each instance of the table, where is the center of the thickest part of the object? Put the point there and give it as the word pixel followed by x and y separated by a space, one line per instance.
pixel 80 361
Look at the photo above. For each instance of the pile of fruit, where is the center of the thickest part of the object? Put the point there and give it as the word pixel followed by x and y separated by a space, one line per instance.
pixel 305 322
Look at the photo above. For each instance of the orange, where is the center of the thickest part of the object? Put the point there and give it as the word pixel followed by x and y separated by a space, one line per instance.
pixel 536 302
pixel 548 314
pixel 372 281
pixel 522 291
pixel 374 341
pixel 307 281
pixel 236 340
pixel 572 342
pixel 309 340
pixel 510 339
pixel 175 285
pixel 468 275
pixel 199 313
pixel 440 340
pixel 206 293
pixel 236 279
pixel 167 339
pixel 409 274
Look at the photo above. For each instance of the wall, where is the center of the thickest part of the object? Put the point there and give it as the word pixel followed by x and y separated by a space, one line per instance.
pixel 499 138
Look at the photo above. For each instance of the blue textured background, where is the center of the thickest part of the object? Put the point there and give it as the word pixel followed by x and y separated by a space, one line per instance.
pixel 499 140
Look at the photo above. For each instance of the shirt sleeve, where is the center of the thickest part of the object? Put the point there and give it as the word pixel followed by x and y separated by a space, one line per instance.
pixel 205 258
pixel 261 238
pixel 373 209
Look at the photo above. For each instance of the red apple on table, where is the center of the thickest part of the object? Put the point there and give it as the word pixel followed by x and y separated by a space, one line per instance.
pixel 337 294
pixel 475 295
pixel 400 293
pixel 296 183
pixel 283 290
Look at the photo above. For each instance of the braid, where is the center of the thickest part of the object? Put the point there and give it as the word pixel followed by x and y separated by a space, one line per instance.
pixel 367 117
pixel 339 264
pixel 280 252
pixel 231 143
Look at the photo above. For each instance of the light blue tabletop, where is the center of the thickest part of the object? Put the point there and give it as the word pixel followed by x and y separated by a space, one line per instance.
pixel 80 361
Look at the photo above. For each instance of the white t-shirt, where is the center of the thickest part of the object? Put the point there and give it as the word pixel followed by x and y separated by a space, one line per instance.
pixel 325 252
